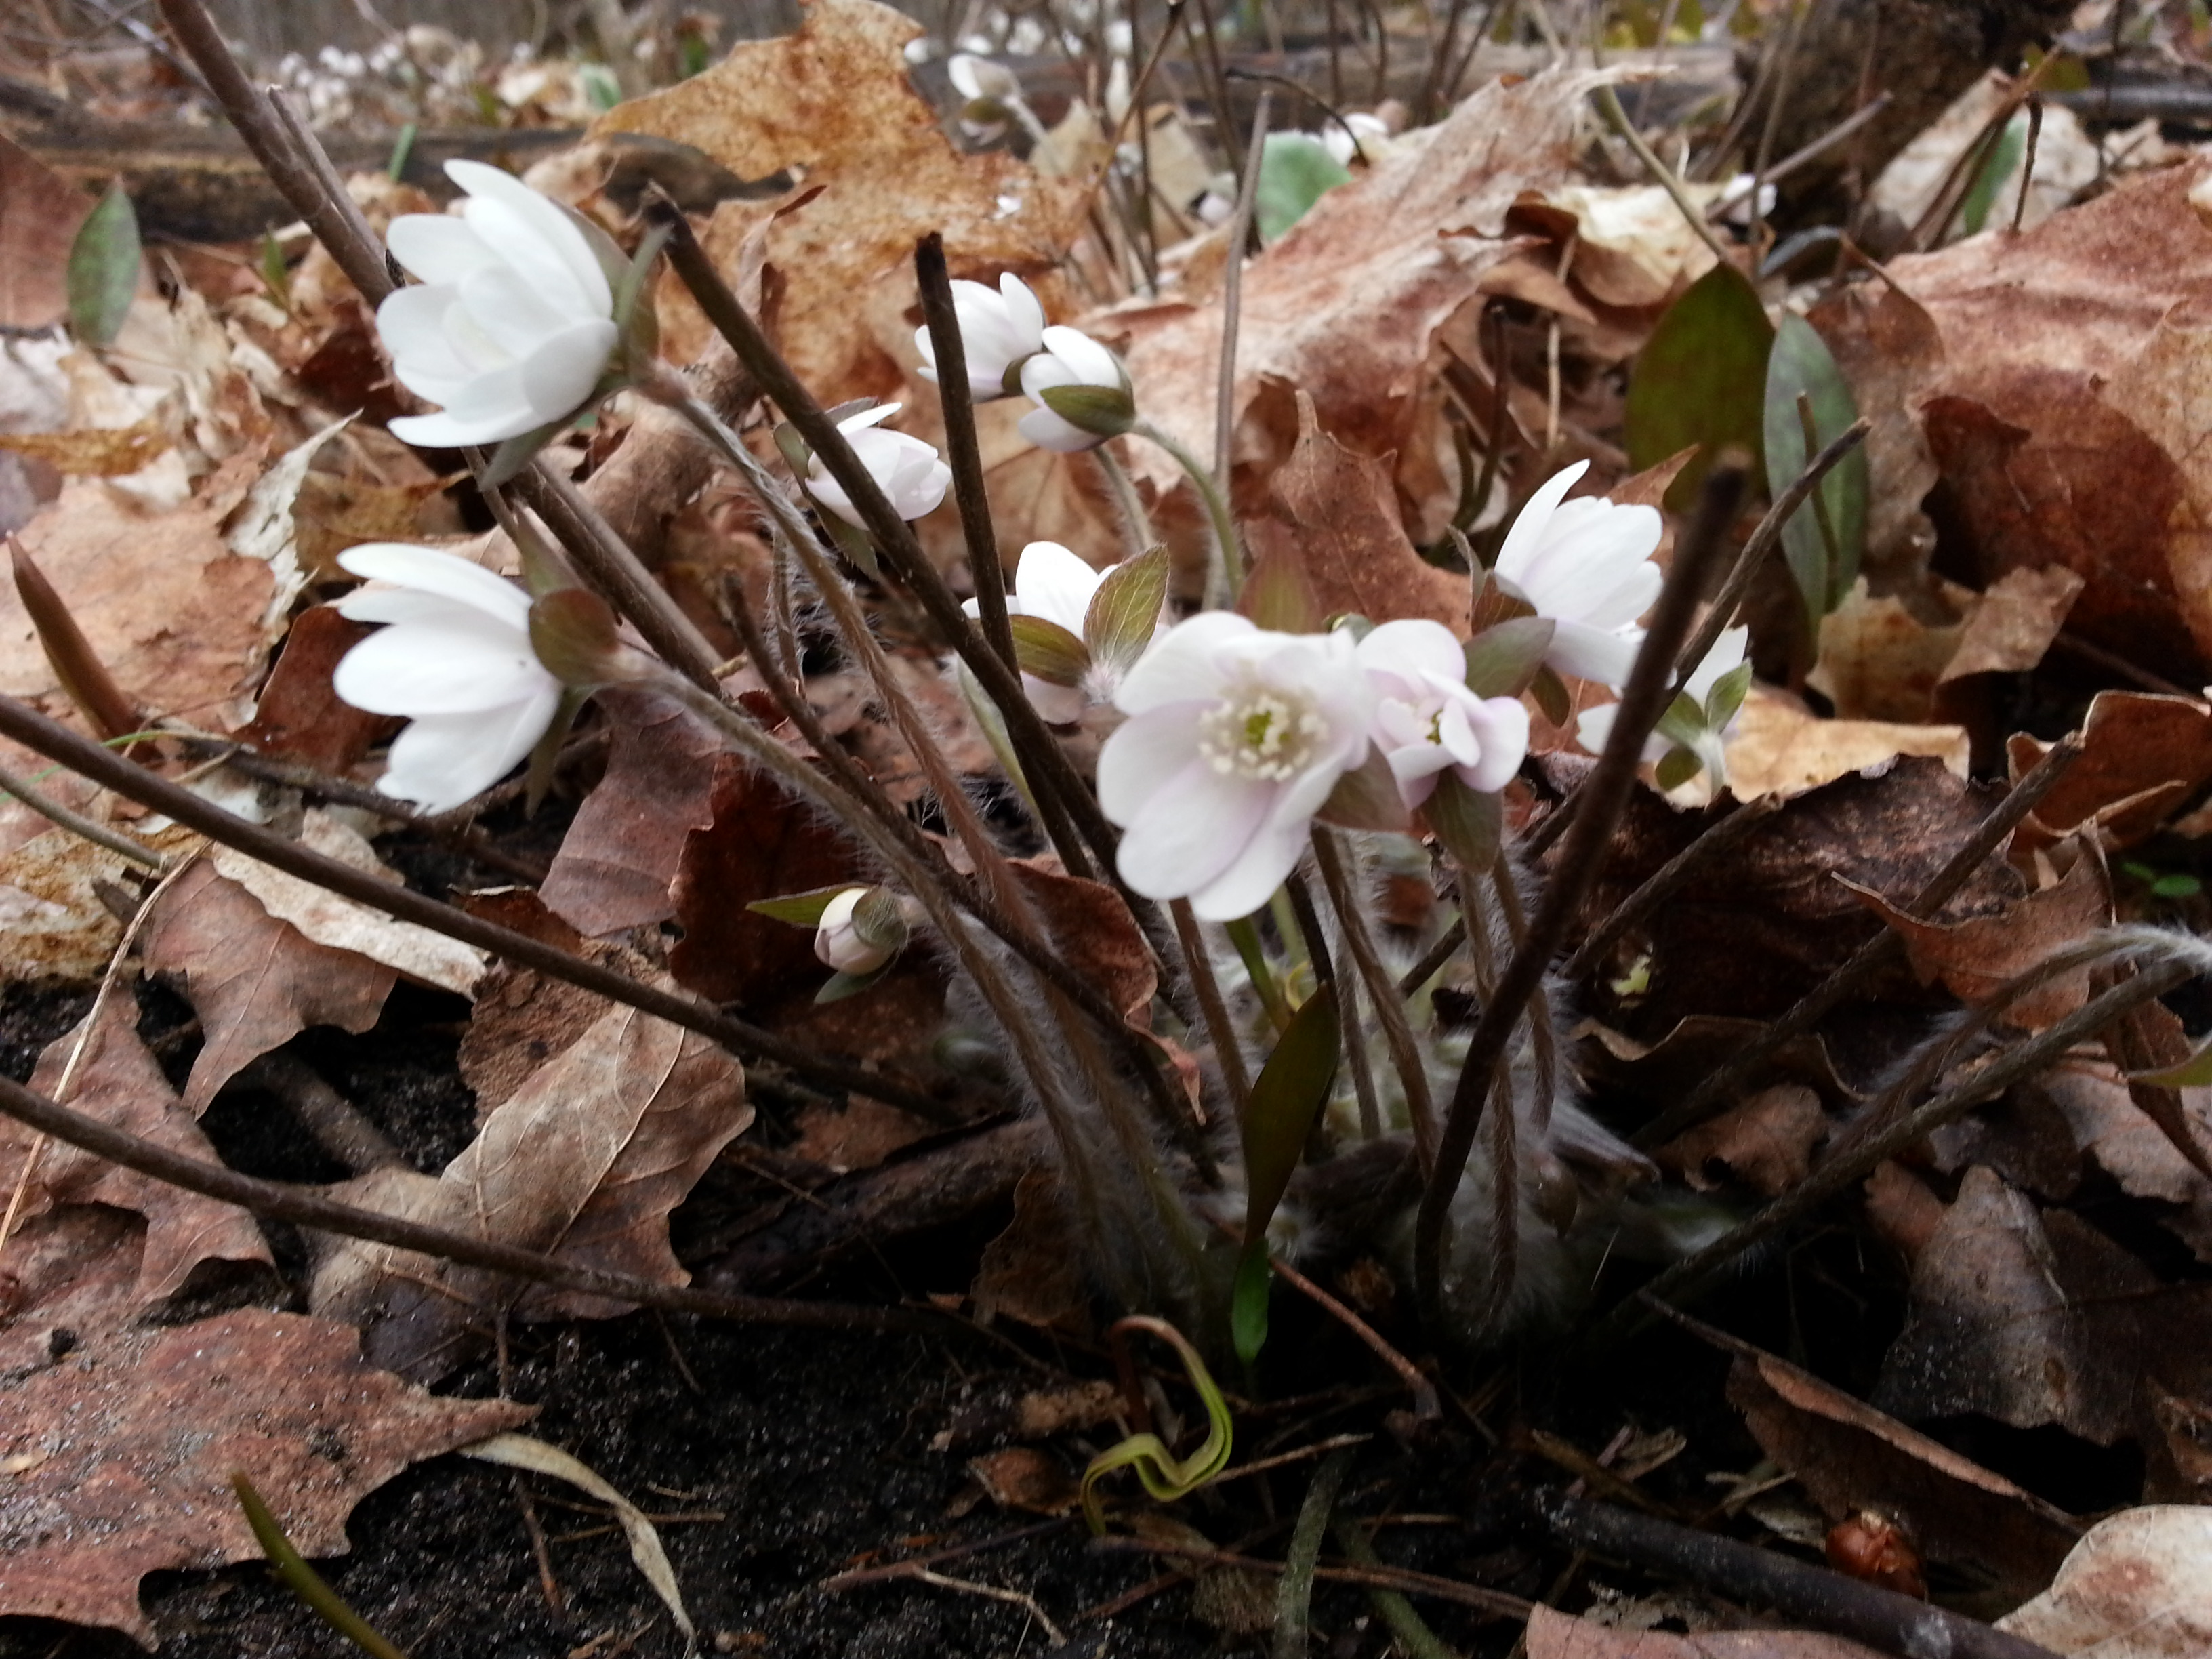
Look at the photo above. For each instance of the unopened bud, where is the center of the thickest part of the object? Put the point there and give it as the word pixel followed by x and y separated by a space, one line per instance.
pixel 574 635
pixel 860 930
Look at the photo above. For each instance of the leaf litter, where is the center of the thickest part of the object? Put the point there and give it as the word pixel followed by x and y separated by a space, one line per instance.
pixel 2025 530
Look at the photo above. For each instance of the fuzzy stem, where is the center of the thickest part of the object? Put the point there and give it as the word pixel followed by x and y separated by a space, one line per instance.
pixel 1134 523
pixel 1330 857
pixel 1225 576
pixel 1228 1050
pixel 1246 938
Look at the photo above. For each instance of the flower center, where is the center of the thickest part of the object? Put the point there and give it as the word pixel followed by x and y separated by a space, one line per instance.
pixel 1261 733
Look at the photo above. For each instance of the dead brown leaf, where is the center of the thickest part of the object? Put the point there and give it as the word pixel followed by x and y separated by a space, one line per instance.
pixel 1888 347
pixel 256 982
pixel 299 716
pixel 1332 516
pixel 2030 1316
pixel 1976 958
pixel 833 102
pixel 123 1452
pixel 39 213
pixel 2013 624
pixel 2141 757
pixel 96 452
pixel 1031 1272
pixel 1851 1457
pixel 1780 748
pixel 2138 1586
pixel 1024 1478
pixel 1093 932
pixel 118 1083
pixel 53 924
pixel 584 1161
pixel 1767 1143
pixel 1562 1636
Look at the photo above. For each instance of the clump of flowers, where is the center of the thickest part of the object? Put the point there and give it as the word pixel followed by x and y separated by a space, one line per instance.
pixel 906 469
pixel 1691 735
pixel 1000 329
pixel 1585 565
pixel 1426 719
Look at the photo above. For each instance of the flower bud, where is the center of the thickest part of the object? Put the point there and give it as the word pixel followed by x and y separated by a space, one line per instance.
pixel 1082 393
pixel 860 930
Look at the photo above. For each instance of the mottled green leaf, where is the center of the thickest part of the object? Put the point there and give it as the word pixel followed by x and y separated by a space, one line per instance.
pixel 1800 362
pixel 1296 170
pixel 1049 651
pixel 1124 611
pixel 1700 380
pixel 103 269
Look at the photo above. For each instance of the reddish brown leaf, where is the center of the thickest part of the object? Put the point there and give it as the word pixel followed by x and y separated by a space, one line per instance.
pixel 121 1455
pixel 1093 932
pixel 1333 515
pixel 299 716
pixel 256 982
pixel 1561 1636
pixel 2141 757
pixel 118 1082
pixel 2138 1586
pixel 39 213
pixel 1767 1143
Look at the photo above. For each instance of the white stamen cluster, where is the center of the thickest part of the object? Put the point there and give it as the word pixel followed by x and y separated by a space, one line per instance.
pixel 1261 733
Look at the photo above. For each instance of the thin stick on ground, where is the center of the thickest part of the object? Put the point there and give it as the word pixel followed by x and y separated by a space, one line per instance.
pixel 26 725
pixel 1602 800
pixel 278 1202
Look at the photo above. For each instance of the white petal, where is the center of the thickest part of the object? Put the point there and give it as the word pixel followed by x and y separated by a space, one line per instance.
pixel 446 431
pixel 465 665
pixel 507 307
pixel 1191 831
pixel 1501 724
pixel 830 496
pixel 1143 755
pixel 1043 371
pixel 441 762
pixel 1057 705
pixel 435 248
pixel 412 323
pixel 1527 532
pixel 1185 664
pixel 552 226
pixel 868 417
pixel 1592 726
pixel 429 570
pixel 558 377
pixel 1053 583
pixel 1091 363
pixel 1044 428
pixel 1024 311
pixel 1261 865
pixel 1414 645
pixel 1594 654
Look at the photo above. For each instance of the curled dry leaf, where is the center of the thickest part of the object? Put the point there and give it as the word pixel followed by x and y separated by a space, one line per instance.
pixel 1024 1478
pixel 2141 757
pixel 1767 1143
pixel 2138 1586
pixel 1851 1457
pixel 585 1161
pixel 1561 1636
pixel 1332 516
pixel 324 919
pixel 255 981
pixel 118 1083
pixel 123 1452
pixel 1976 958
pixel 1780 748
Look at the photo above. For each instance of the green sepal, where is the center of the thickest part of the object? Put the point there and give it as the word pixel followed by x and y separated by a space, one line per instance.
pixel 792 447
pixel 1469 822
pixel 800 910
pixel 1124 612
pixel 1727 697
pixel 1684 722
pixel 1104 411
pixel 879 921
pixel 841 985
pixel 516 453
pixel 1368 798
pixel 854 542
pixel 1049 651
pixel 1503 659
pixel 1676 768
pixel 1550 692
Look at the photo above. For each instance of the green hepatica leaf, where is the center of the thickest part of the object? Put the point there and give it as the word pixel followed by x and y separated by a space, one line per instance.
pixel 1049 651
pixel 1126 610
pixel 1296 170
pixel 1701 378
pixel 800 910
pixel 103 270
pixel 1800 362
pixel 1286 1097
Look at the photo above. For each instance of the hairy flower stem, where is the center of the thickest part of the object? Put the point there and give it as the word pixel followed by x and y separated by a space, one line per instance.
pixel 1049 770
pixel 1225 576
pixel 1252 951
pixel 1129 515
pixel 1228 1048
pixel 1333 859
pixel 1602 799
pixel 1002 906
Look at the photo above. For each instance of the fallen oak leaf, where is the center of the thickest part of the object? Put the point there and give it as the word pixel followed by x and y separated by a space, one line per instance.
pixel 137 1434
pixel 255 981
pixel 2141 757
pixel 584 1161
pixel 2138 1586
pixel 1777 747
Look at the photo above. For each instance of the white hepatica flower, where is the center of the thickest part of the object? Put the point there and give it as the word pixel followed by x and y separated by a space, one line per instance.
pixel 1369 136
pixel 1054 584
pixel 513 323
pixel 1586 565
pixel 1426 719
pixel 455 659
pixel 837 941
pixel 1072 358
pixel 1234 739
pixel 906 469
pixel 1708 741
pixel 999 330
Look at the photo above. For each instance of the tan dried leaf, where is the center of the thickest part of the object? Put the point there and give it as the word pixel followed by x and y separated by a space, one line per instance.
pixel 136 1435
pixel 39 213
pixel 1780 748
pixel 2138 1586
pixel 255 981
pixel 1767 1143
pixel 2141 757
pixel 1562 1636
pixel 94 452
pixel 584 1161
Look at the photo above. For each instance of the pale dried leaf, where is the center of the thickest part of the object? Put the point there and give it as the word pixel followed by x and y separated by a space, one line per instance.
pixel 2138 1586
pixel 1779 748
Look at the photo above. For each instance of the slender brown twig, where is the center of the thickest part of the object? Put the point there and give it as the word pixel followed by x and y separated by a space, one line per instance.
pixel 26 725
pixel 1602 799
pixel 280 1202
